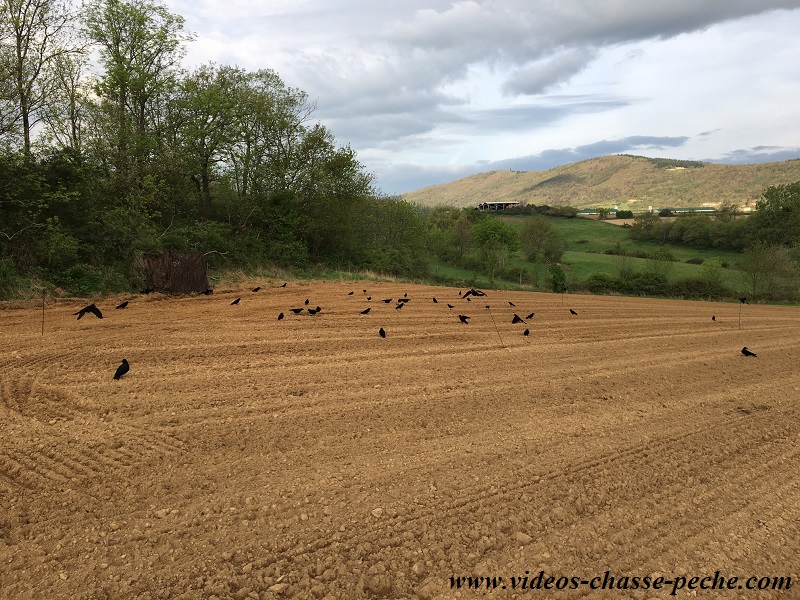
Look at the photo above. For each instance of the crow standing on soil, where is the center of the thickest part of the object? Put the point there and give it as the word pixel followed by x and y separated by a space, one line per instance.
pixel 256 289
pixel 89 309
pixel 284 284
pixel 208 291
pixel 435 301
pixel 450 306
pixel 382 332
pixel 399 305
pixel 280 317
pixel 235 301
pixel 306 301
pixel 123 305
pixel 122 369
pixel 530 316
pixel 713 317
pixel 365 311
pixel 350 293
pixel 526 333
pixel 517 319
pixel 572 312
pixel 296 311
pixel 747 352
pixel 387 300
pixel 464 319
pixel 511 303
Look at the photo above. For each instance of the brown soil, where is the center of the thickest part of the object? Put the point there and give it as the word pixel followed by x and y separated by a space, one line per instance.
pixel 246 457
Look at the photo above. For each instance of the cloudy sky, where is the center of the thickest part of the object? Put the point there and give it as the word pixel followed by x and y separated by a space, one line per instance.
pixel 427 91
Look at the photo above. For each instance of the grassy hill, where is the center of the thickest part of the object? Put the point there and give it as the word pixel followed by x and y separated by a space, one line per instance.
pixel 630 182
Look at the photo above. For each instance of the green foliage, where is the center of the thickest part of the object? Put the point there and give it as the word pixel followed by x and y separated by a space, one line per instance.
pixel 558 278
pixel 671 163
pixel 624 214
pixel 540 241
pixel 769 271
pixel 777 220
pixel 495 241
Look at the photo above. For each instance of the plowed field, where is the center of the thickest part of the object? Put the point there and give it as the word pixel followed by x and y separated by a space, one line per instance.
pixel 247 457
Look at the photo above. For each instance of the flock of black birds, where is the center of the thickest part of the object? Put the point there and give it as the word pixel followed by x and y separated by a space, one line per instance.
pixel 124 367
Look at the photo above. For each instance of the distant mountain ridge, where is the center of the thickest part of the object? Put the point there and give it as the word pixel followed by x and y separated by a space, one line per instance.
pixel 626 181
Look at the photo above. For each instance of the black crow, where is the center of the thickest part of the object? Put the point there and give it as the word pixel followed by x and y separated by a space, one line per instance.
pixel 387 300
pixel 403 300
pixel 365 291
pixel 435 301
pixel 747 352
pixel 296 311
pixel 256 289
pixel 123 305
pixel 405 295
pixel 517 319
pixel 530 316
pixel 382 333
pixel 511 303
pixel 399 305
pixel 280 317
pixel 122 369
pixel 464 319
pixel 369 297
pixel 469 299
pixel 208 291
pixel 235 301
pixel 284 284
pixel 713 317
pixel 350 293
pixel 473 292
pixel 450 306
pixel 312 311
pixel 365 311
pixel 572 312
pixel 319 308
pixel 743 300
pixel 306 301
pixel 89 309
pixel 526 333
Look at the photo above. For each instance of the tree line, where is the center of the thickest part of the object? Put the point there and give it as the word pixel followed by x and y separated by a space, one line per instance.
pixel 109 148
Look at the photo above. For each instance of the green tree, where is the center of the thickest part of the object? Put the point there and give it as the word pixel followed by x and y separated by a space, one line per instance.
pixel 777 218
pixel 141 45
pixel 34 37
pixel 768 270
pixel 495 240
pixel 540 241
pixel 206 120
pixel 558 279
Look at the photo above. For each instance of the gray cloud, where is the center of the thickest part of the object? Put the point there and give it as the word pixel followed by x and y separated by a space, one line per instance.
pixel 757 154
pixel 542 75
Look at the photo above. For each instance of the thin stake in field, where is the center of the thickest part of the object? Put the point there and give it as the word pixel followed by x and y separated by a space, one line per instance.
pixel 502 345
pixel 44 293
